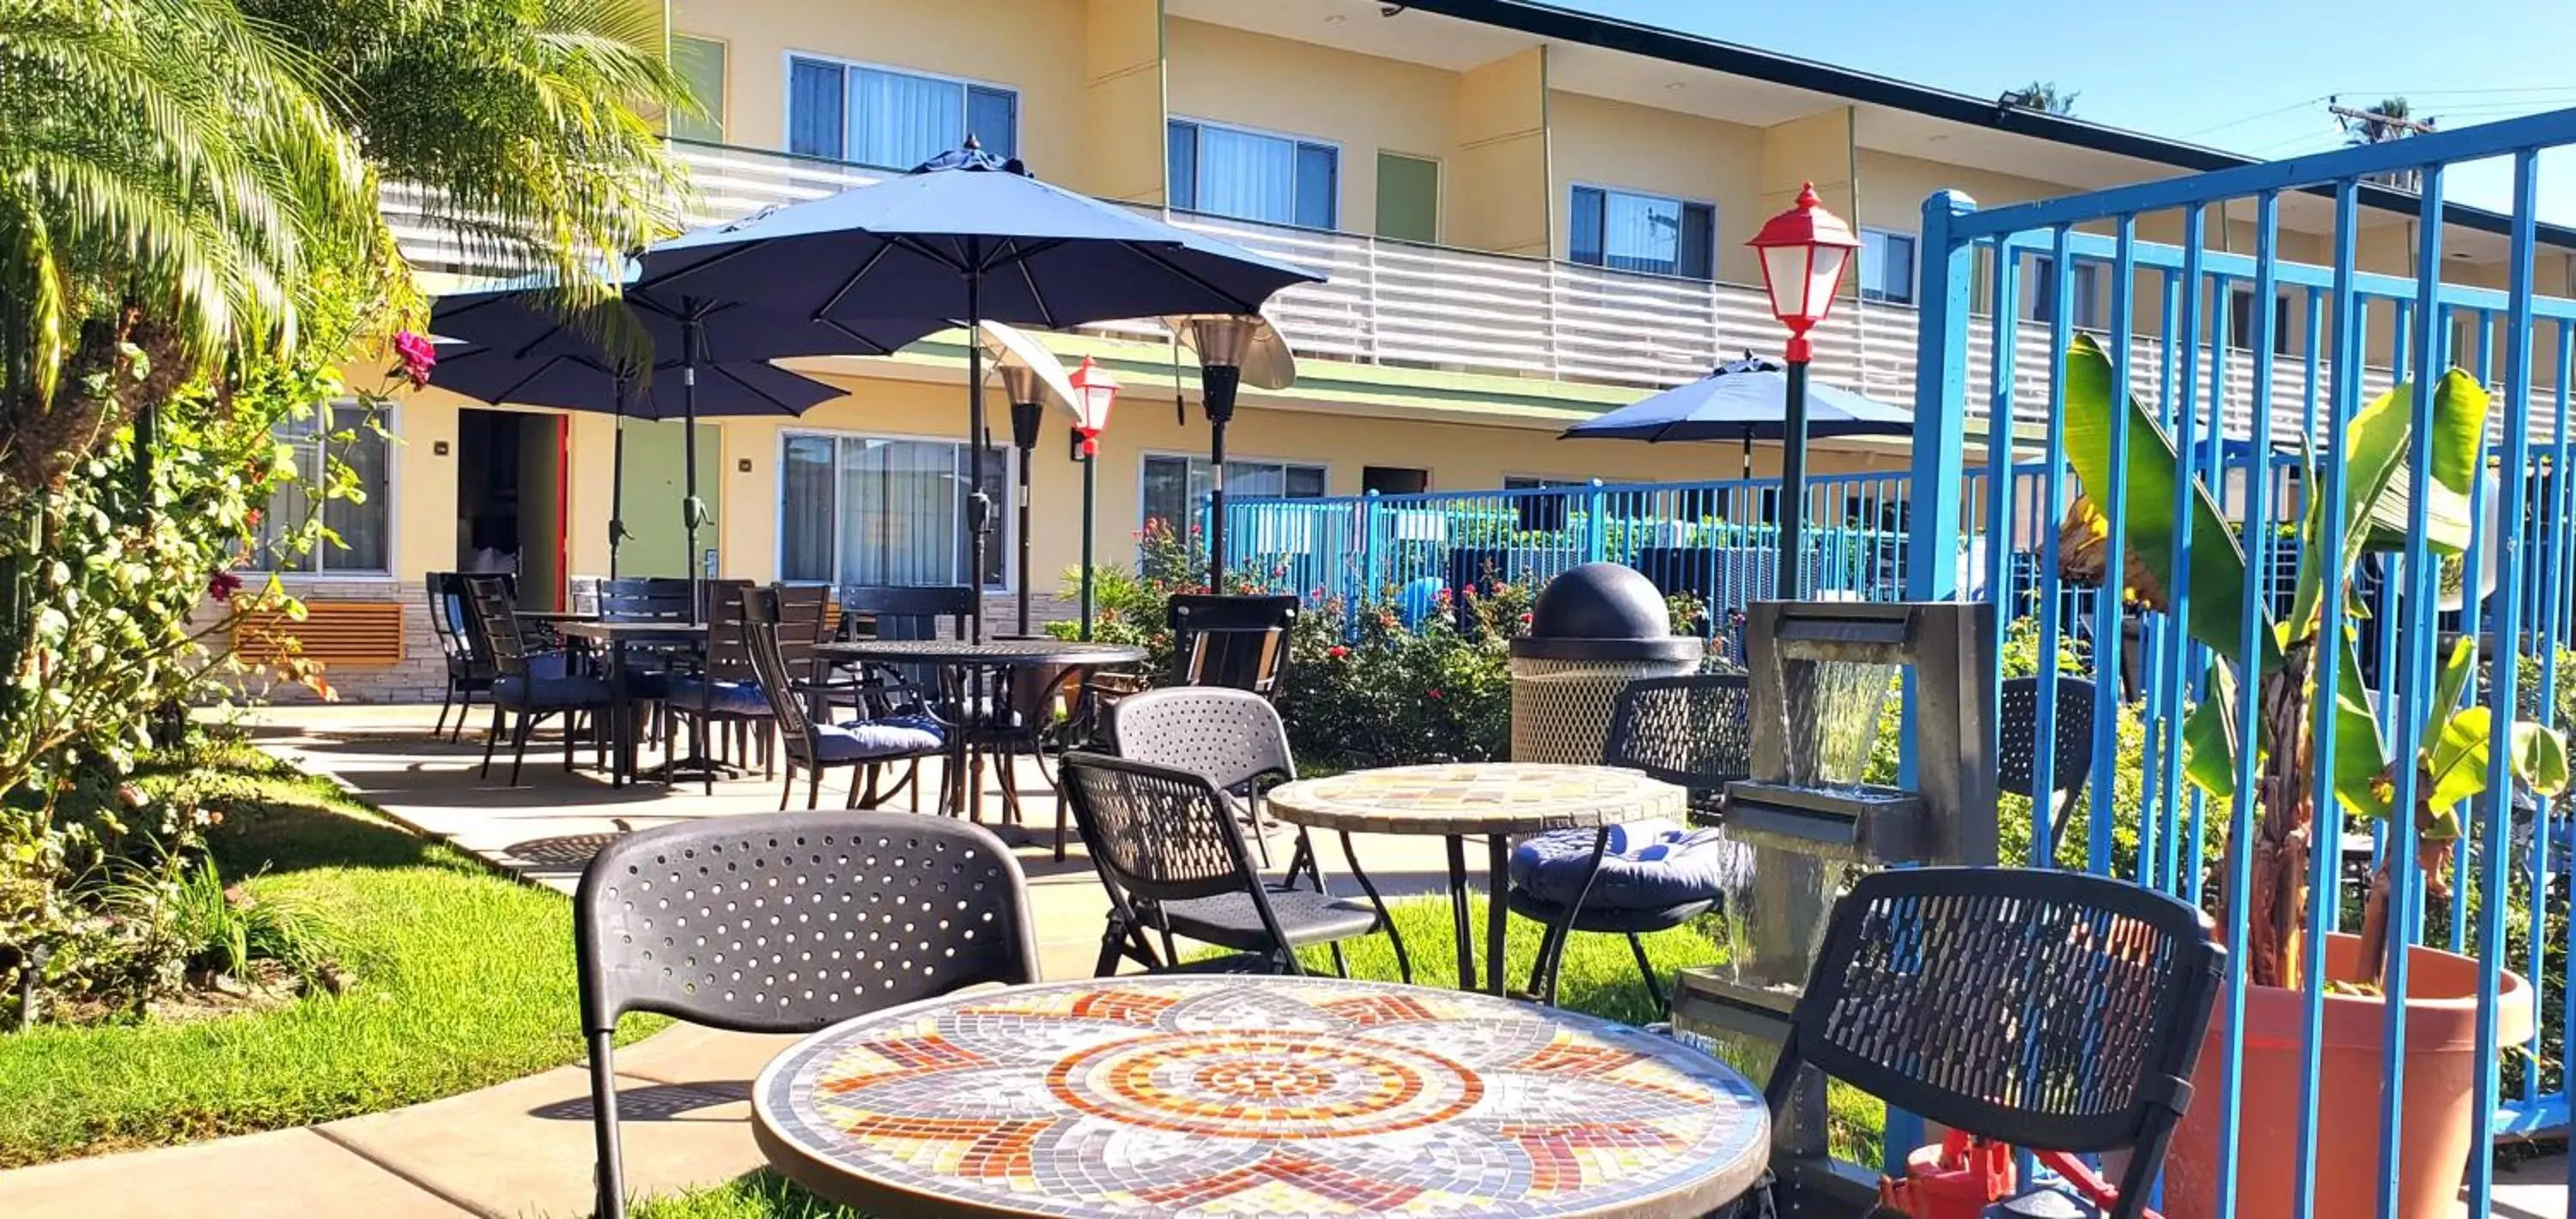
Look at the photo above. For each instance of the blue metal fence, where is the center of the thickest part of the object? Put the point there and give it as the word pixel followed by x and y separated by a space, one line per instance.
pixel 2396 611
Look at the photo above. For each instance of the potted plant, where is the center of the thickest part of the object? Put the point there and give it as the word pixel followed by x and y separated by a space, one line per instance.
pixel 2450 769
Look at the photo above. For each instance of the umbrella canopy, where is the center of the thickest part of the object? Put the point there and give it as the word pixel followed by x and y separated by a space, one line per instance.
pixel 1746 400
pixel 515 320
pixel 965 238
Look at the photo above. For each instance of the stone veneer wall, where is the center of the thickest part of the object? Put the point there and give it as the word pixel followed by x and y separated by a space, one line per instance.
pixel 421 677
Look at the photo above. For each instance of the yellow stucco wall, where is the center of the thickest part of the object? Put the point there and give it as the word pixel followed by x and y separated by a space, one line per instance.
pixel 1124 98
pixel 1498 193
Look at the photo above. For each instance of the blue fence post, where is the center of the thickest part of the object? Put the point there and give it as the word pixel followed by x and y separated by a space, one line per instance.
pixel 1596 533
pixel 1368 585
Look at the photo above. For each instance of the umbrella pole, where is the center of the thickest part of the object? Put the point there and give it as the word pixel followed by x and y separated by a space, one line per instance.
pixel 690 508
pixel 978 507
pixel 617 484
pixel 1748 454
pixel 1793 482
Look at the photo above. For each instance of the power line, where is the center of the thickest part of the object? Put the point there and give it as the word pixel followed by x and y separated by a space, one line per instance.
pixel 2301 104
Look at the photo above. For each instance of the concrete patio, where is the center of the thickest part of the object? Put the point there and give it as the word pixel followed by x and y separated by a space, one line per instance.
pixel 523 1149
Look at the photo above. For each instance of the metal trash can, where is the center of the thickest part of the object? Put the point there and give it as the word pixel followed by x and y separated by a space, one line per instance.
pixel 1595 629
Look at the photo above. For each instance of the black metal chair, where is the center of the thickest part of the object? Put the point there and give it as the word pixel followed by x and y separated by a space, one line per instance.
pixel 1238 642
pixel 1694 732
pixel 469 672
pixel 2017 746
pixel 866 744
pixel 1170 851
pixel 2056 1011
pixel 870 611
pixel 518 689
pixel 721 689
pixel 895 908
pixel 644 599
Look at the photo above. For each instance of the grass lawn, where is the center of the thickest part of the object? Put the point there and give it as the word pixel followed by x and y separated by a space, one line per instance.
pixel 462 979
pixel 1600 977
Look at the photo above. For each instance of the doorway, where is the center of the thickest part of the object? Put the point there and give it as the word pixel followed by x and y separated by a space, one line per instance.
pixel 511 499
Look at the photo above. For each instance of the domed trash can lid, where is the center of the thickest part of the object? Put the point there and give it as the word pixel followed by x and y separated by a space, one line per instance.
pixel 1605 612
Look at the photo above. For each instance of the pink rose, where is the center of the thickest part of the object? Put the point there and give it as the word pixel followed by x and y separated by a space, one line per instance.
pixel 419 356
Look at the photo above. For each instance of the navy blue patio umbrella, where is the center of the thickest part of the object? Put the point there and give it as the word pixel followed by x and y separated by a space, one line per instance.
pixel 1745 400
pixel 589 383
pixel 965 238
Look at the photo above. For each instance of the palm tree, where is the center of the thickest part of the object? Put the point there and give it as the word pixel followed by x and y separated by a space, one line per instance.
pixel 2391 119
pixel 2042 96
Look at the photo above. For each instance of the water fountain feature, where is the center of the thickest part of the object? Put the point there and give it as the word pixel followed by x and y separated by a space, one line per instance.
pixel 1823 676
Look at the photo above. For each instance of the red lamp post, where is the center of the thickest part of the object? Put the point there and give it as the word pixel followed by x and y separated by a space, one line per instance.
pixel 1094 390
pixel 1804 253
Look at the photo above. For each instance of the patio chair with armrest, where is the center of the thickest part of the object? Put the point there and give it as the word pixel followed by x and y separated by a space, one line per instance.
pixel 867 744
pixel 720 689
pixel 519 688
pixel 1234 737
pixel 870 611
pixel 1693 732
pixel 469 672
pixel 1238 642
pixel 865 877
pixel 1978 998
pixel 1170 851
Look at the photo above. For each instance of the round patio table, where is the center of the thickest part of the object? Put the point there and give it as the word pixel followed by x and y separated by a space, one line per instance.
pixel 1458 800
pixel 1186 1096
pixel 962 664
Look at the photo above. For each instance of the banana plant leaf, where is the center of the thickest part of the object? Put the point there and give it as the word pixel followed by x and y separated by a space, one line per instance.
pixel 2460 408
pixel 2209 736
pixel 2095 403
pixel 2375 445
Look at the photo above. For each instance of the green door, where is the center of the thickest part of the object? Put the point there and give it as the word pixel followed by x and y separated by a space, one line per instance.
pixel 1408 197
pixel 655 543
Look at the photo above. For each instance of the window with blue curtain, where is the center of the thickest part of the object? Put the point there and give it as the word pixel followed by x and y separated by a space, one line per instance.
pixel 894 120
pixel 1249 176
pixel 1654 234
pixel 885 511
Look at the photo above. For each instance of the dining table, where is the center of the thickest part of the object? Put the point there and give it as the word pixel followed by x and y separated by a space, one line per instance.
pixel 977 683
pixel 615 639
pixel 1493 800
pixel 1171 1096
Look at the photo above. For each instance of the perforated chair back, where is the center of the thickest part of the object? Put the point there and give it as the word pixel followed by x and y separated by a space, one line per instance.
pixel 1236 642
pixel 786 923
pixel 1158 832
pixel 1695 732
pixel 644 599
pixel 2017 744
pixel 494 626
pixel 2046 1009
pixel 900 612
pixel 1231 737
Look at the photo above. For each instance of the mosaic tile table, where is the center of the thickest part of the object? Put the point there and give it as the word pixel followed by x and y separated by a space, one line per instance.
pixel 1460 800
pixel 1186 1097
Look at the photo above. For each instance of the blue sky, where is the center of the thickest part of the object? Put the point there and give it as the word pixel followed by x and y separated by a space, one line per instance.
pixel 2249 76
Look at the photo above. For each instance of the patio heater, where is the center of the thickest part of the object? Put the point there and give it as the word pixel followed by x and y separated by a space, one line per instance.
pixel 1804 251
pixel 1094 390
pixel 1028 371
pixel 1233 348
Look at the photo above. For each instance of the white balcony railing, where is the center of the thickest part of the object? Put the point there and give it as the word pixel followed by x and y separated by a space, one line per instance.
pixel 1398 303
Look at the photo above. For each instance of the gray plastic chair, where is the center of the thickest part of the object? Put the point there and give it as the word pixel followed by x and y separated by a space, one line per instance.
pixel 854 912
pixel 1170 851
pixel 2017 746
pixel 1232 736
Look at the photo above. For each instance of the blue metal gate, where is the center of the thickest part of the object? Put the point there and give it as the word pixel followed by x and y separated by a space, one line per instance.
pixel 2216 569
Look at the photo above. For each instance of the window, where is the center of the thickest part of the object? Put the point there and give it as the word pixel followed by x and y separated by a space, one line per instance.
pixel 1886 266
pixel 1394 480
pixel 1249 176
pixel 701 63
pixel 360 523
pixel 1649 233
pixel 877 510
pixel 894 120
pixel 2240 320
pixel 1176 488
pixel 1408 198
pixel 2039 292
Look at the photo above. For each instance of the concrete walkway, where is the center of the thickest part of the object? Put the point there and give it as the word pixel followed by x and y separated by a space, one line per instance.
pixel 523 1149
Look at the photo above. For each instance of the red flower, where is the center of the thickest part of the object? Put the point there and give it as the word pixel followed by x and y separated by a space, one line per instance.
pixel 253 517
pixel 1433 692
pixel 419 356
pixel 223 586
pixel 1337 651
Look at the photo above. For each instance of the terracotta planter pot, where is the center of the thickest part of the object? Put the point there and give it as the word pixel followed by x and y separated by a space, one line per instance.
pixel 2441 1075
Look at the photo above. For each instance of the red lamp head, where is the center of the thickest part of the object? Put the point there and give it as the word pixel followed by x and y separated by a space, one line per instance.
pixel 1094 390
pixel 1804 253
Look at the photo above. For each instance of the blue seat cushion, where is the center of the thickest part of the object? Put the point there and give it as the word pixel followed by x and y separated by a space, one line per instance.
pixel 721 697
pixel 551 693
pixel 897 736
pixel 1649 865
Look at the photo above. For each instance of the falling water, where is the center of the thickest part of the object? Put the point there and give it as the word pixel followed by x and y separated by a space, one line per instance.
pixel 1834 709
